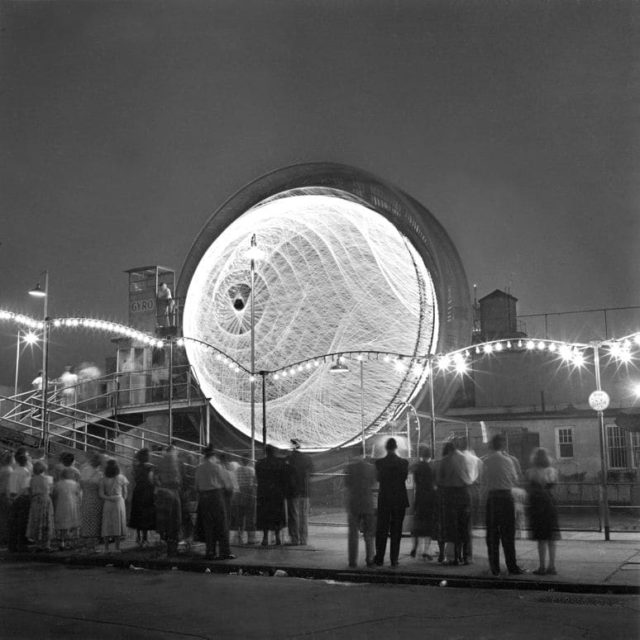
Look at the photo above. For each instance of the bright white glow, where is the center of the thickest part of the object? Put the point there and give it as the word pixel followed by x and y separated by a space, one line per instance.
pixel 461 366
pixel 488 348
pixel 636 389
pixel 530 344
pixel 625 356
pixel 338 277
pixel 254 253
pixel 577 358
pixel 565 351
pixel 541 345
pixel 498 346
pixel 552 346
pixel 443 363
pixel 30 338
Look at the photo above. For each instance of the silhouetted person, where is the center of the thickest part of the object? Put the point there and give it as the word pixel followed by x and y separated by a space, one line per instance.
pixel 453 483
pixel 166 305
pixel 499 475
pixel 360 482
pixel 271 474
pixel 212 480
pixel 300 468
pixel 392 502
pixel 425 519
pixel 543 512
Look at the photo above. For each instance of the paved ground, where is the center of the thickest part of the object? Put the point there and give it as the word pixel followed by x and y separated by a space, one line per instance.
pixel 586 563
pixel 55 600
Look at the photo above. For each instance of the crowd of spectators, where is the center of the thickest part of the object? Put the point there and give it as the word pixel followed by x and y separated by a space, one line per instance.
pixel 219 499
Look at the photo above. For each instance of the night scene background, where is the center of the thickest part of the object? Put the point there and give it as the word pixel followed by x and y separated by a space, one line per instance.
pixel 125 125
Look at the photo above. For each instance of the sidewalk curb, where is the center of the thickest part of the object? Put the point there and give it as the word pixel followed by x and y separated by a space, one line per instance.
pixel 375 576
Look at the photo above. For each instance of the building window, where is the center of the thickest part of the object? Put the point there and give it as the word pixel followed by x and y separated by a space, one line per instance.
pixel 617 446
pixel 635 444
pixel 564 442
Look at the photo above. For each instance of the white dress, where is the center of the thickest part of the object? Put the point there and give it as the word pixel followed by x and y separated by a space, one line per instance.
pixel 114 514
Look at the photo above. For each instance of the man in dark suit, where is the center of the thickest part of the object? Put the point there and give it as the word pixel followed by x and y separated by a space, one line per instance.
pixel 392 502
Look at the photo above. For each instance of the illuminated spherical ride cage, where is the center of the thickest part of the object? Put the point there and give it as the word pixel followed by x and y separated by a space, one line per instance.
pixel 351 265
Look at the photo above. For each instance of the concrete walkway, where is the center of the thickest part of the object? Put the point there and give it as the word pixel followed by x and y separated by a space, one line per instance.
pixel 585 562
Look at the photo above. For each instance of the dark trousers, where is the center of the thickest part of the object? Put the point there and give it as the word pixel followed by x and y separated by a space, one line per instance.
pixel 457 514
pixel 18 521
pixel 467 545
pixel 501 528
pixel 389 524
pixel 212 510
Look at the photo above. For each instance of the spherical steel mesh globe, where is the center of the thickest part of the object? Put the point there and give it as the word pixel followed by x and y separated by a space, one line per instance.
pixel 335 276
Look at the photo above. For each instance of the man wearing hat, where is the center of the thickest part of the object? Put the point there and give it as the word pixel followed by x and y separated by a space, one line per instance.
pixel 300 467
pixel 392 502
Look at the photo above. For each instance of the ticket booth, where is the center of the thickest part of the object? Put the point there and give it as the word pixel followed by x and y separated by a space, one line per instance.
pixel 152 307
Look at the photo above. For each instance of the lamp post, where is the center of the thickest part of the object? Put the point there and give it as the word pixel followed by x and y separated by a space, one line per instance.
pixel 432 406
pixel 599 401
pixel 253 254
pixel 364 451
pixel 43 293
pixel 170 430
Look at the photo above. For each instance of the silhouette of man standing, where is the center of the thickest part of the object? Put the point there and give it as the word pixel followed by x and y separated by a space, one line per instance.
pixel 392 502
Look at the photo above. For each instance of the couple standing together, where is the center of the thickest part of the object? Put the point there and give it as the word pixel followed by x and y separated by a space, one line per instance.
pixel 391 472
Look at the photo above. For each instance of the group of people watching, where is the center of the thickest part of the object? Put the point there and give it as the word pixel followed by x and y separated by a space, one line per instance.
pixel 222 497
pixel 446 492
pixel 41 505
pixel 177 498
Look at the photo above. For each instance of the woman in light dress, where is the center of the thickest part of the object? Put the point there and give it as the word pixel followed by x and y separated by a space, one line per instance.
pixel 66 497
pixel 41 526
pixel 113 491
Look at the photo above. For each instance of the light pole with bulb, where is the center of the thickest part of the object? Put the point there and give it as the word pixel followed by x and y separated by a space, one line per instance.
pixel 43 293
pixel 254 253
pixel 599 401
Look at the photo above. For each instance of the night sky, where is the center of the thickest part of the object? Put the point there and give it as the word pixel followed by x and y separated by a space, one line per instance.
pixel 124 125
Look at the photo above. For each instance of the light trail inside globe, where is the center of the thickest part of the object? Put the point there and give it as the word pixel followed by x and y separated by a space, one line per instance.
pixel 335 277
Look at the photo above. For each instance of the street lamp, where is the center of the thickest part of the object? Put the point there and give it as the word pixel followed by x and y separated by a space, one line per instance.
pixel 432 405
pixel 253 254
pixel 599 401
pixel 43 293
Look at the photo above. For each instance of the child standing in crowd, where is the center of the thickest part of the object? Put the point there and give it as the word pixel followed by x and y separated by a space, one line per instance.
pixel 40 527
pixel 67 494
pixel 113 490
